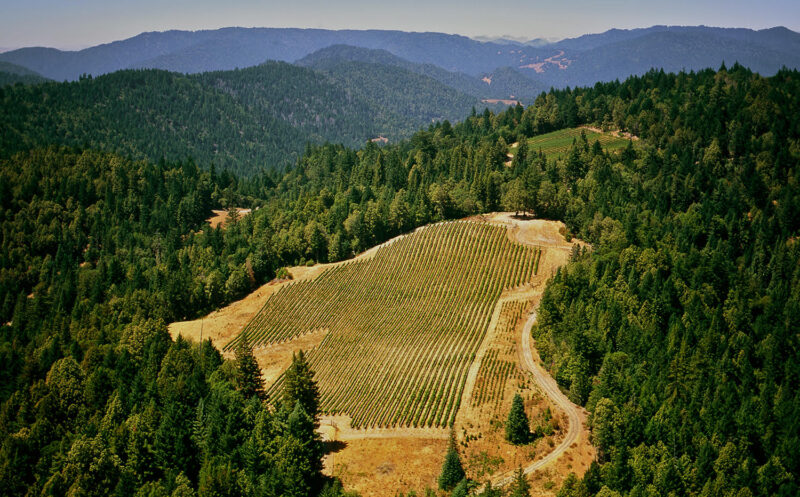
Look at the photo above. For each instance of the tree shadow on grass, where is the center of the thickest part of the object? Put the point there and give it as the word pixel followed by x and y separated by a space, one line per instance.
pixel 333 446
pixel 523 216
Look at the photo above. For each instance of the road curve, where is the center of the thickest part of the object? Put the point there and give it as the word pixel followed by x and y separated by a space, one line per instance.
pixel 549 386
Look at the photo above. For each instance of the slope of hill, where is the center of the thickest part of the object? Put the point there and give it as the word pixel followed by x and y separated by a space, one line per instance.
pixel 403 100
pixel 507 82
pixel 12 73
pixel 146 114
pixel 329 57
pixel 503 83
pixel 436 318
pixel 316 107
pixel 243 120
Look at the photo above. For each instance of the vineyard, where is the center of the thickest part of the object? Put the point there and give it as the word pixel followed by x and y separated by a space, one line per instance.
pixel 500 362
pixel 557 144
pixel 403 326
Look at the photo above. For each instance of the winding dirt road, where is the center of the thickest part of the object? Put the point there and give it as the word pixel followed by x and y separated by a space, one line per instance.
pixel 550 388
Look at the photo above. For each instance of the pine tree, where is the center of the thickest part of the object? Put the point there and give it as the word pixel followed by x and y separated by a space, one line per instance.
pixel 452 471
pixel 517 426
pixel 299 386
pixel 248 373
pixel 521 487
pixel 461 489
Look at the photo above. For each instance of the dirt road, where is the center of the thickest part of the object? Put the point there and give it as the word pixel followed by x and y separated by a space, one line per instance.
pixel 550 388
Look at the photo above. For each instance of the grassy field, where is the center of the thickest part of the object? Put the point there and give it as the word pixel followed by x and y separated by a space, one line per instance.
pixel 556 144
pixel 404 325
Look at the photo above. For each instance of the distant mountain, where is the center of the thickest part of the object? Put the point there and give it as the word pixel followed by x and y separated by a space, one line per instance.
pixel 508 82
pixel 229 48
pixel 12 73
pixel 615 54
pixel 449 59
pixel 329 58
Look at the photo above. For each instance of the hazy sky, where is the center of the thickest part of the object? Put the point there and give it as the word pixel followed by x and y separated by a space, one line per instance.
pixel 78 23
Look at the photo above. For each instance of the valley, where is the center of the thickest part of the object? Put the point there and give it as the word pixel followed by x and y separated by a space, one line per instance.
pixel 593 291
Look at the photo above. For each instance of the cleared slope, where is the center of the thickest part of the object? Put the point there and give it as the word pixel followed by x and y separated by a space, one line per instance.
pixel 403 325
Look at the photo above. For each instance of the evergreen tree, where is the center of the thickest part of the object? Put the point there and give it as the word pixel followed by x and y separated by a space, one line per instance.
pixel 452 471
pixel 248 373
pixel 521 487
pixel 517 426
pixel 490 491
pixel 461 490
pixel 299 386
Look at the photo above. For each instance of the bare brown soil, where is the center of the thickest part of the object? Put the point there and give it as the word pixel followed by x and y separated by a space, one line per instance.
pixel 500 101
pixel 617 133
pixel 557 60
pixel 220 217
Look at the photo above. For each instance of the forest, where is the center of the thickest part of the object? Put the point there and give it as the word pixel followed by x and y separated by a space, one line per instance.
pixel 677 330
pixel 245 121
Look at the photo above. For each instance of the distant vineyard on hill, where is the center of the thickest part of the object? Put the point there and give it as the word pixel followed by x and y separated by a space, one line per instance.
pixel 558 143
pixel 404 325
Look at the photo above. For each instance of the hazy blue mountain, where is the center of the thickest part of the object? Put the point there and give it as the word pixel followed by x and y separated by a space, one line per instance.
pixel 502 83
pixel 228 48
pixel 329 57
pixel 507 82
pixel 584 60
pixel 672 49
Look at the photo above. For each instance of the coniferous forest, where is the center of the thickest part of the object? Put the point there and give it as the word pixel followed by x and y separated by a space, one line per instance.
pixel 677 330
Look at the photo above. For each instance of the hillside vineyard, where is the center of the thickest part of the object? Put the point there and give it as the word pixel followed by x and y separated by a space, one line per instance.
pixel 403 326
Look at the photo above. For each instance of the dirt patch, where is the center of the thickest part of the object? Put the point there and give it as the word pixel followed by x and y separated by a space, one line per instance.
pixel 557 60
pixel 505 101
pixel 220 217
pixel 386 466
pixel 616 133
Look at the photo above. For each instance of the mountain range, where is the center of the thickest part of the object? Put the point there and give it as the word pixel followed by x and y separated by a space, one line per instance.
pixel 614 54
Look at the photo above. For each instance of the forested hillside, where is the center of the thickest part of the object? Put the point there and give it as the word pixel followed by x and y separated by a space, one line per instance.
pixel 249 120
pixel 12 73
pixel 677 330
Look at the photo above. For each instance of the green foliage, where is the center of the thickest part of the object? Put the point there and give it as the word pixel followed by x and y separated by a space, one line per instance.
pixel 461 490
pixel 299 387
pixel 676 330
pixel 670 331
pixel 452 471
pixel 248 374
pixel 520 487
pixel 518 430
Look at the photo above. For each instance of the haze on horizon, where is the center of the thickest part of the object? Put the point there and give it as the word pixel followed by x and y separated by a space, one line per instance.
pixel 82 23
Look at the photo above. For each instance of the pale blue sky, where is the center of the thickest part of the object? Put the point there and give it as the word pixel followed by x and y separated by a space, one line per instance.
pixel 78 23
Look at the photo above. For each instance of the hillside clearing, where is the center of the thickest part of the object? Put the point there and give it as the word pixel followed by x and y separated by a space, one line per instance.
pixel 372 459
pixel 556 144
